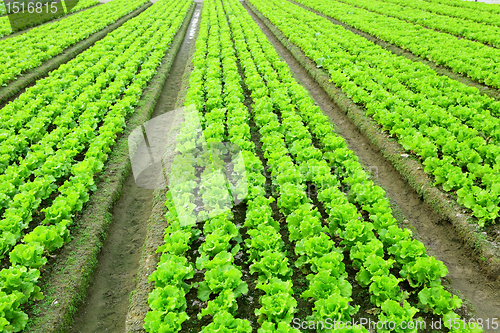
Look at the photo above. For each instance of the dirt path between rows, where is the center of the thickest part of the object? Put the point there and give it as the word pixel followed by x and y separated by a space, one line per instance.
pixel 437 235
pixel 106 306
pixel 107 301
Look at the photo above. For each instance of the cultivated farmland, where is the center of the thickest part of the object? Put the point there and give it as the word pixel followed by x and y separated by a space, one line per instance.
pixel 251 166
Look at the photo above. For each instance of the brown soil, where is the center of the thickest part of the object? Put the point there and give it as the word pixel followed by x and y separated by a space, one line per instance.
pixel 170 98
pixel 438 236
pixel 105 307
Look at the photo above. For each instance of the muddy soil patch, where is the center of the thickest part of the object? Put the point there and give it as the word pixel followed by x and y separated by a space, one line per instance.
pixel 439 236
pixel 106 306
pixel 171 97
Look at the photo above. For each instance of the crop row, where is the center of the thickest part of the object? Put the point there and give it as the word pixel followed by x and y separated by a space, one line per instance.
pixel 469 5
pixel 328 288
pixel 59 99
pixel 468 14
pixel 30 20
pixel 214 63
pixel 183 184
pixel 96 129
pixel 53 154
pixel 215 78
pixel 280 109
pixel 265 245
pixel 222 238
pixel 464 14
pixel 447 124
pixel 358 237
pixel 29 50
pixel 470 58
pixel 400 9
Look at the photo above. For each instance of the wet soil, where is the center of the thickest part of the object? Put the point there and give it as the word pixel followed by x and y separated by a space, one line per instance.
pixel 157 223
pixel 106 306
pixel 169 94
pixel 438 236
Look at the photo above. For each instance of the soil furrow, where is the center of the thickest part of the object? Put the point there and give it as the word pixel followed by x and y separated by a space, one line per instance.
pixel 171 97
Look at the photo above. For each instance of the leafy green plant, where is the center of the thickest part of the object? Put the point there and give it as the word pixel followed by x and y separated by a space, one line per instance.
pixel 361 251
pixel 335 307
pixel 357 231
pixel 313 247
pixel 304 222
pixel 22 282
pixel 225 301
pixel 271 264
pixel 278 305
pixel 29 255
pixel 158 321
pixel 173 270
pixel 330 262
pixel 407 251
pixel 225 322
pixel 385 288
pixel 167 299
pixel 424 271
pixel 291 196
pixel 438 300
pixel 373 266
pixel 397 313
pixel 221 275
pixel 263 239
pixel 323 284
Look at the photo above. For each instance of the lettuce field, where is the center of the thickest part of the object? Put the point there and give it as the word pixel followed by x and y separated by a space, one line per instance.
pixel 250 166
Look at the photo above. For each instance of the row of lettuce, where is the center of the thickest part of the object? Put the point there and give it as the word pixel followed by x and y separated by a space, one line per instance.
pixel 27 15
pixel 403 9
pixel 56 164
pixel 475 60
pixel 464 15
pixel 31 49
pixel 299 147
pixel 448 125
pixel 480 6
